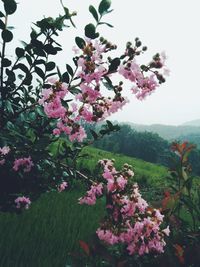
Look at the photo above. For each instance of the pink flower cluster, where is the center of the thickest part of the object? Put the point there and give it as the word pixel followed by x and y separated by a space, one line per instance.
pixel 92 73
pixel 129 221
pixel 25 163
pixel 22 202
pixel 143 85
pixel 3 152
pixel 90 198
pixel 62 186
pixel 51 99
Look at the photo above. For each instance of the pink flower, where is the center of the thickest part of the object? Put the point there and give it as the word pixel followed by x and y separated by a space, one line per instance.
pixel 121 181
pixel 90 198
pixel 4 150
pixel 130 173
pixel 131 71
pixel 54 109
pixel 46 93
pixel 22 202
pixel 62 186
pixel 26 163
pixel 166 231
pixel 2 162
pixel 145 86
pixel 107 236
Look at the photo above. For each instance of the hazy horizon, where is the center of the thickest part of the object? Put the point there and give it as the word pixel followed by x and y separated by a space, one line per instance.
pixel 169 26
pixel 186 123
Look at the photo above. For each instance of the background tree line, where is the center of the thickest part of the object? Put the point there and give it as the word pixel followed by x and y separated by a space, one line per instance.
pixel 143 145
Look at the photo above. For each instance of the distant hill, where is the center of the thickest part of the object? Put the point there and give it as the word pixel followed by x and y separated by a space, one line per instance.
pixel 192 123
pixel 167 132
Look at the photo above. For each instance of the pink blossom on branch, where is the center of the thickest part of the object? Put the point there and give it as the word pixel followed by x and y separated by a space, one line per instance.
pixel 4 150
pixel 90 198
pixel 94 71
pixel 129 221
pixel 22 202
pixel 62 186
pixel 25 163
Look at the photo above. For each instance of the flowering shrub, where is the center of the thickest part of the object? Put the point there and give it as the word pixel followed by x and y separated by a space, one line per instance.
pixel 43 127
pixel 35 121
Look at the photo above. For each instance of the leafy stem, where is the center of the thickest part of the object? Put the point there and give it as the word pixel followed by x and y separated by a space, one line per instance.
pixel 3 54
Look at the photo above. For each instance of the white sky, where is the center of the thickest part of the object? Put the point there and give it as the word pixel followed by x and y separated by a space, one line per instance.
pixel 169 25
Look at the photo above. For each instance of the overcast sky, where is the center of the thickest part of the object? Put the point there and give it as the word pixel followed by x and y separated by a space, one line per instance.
pixel 162 25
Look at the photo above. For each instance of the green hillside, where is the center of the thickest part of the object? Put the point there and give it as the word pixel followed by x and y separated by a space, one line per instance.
pixel 145 173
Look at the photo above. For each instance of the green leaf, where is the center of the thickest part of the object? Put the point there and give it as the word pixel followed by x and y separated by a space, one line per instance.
pixel 104 6
pixel 50 66
pixel 23 43
pixel 19 52
pixel 10 6
pixel 28 79
pixel 75 91
pixel 94 134
pixel 65 77
pixel 39 52
pixel 31 134
pixel 108 83
pixel 10 125
pixel 10 28
pixel 50 49
pixel 1 15
pixel 6 62
pixel 9 107
pixel 80 42
pixel 11 76
pixel 108 24
pixel 94 12
pixel 114 64
pixel 103 132
pixel 69 69
pixel 40 72
pixel 2 25
pixel 90 31
pixel 22 67
pixel 29 59
pixel 40 61
pixel 40 111
pixel 51 74
pixel 110 125
pixel 7 36
pixel 33 34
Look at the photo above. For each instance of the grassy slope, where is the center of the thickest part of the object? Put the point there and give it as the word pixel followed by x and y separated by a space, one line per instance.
pixel 43 235
pixel 145 172
pixel 47 232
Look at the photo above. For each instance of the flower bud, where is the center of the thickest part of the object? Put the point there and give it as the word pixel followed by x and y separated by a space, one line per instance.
pixel 144 48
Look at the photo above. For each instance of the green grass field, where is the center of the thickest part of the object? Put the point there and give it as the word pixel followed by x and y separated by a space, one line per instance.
pixel 145 173
pixel 44 235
